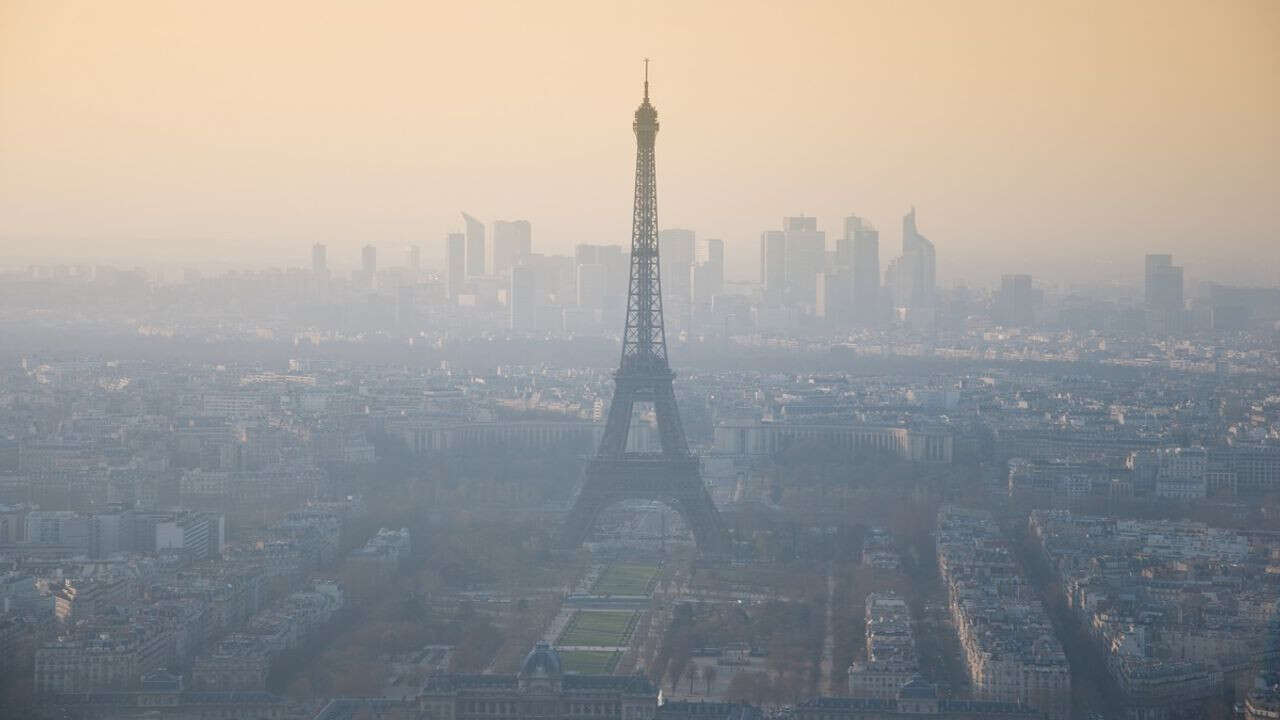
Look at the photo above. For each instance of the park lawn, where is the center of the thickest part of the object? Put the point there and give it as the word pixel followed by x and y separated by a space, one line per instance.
pixel 626 579
pixel 595 628
pixel 590 662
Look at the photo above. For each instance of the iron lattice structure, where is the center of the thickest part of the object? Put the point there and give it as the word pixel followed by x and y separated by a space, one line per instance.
pixel 644 340
pixel 644 375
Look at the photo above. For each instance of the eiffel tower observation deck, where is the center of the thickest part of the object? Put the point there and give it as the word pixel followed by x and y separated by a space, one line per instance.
pixel 670 476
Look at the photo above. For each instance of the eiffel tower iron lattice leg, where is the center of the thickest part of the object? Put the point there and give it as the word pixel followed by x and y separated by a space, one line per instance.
pixel 644 375
pixel 676 484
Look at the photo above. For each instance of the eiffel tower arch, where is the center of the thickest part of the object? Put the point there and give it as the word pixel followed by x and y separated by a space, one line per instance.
pixel 671 475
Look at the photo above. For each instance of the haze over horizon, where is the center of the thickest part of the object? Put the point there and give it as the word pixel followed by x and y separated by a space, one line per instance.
pixel 1061 139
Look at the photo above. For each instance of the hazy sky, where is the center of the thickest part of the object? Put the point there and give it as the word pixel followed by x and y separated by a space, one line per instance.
pixel 1061 139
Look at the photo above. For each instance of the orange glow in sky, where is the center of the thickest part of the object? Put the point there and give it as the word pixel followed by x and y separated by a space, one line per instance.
pixel 1033 136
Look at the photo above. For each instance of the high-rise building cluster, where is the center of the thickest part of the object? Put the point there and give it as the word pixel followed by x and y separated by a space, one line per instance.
pixel 491 275
pixel 1162 291
pixel 550 292
pixel 692 271
pixel 843 286
pixel 537 291
pixel 1015 302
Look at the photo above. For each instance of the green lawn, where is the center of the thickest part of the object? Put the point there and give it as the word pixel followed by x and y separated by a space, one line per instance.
pixel 590 662
pixel 626 579
pixel 607 629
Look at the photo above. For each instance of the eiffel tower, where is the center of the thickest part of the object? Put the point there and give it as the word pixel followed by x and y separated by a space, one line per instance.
pixel 670 476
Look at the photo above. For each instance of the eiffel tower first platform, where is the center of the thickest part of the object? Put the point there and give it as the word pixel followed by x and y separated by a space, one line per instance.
pixel 670 476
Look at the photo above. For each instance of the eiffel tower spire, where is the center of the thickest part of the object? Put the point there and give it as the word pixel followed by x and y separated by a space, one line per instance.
pixel 670 476
pixel 644 339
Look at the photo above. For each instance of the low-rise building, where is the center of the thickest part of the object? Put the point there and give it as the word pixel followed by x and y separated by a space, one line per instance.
pixel 890 650
pixel 917 699
pixel 1010 650
pixel 1175 609
pixel 93 663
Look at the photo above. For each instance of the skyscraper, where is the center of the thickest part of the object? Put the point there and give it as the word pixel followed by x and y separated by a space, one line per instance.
pixel 677 249
pixel 369 266
pixel 475 246
pixel 616 265
pixel 592 279
pixel 914 273
pixel 806 251
pixel 455 263
pixel 511 239
pixel 710 250
pixel 585 253
pixel 413 258
pixel 708 272
pixel 773 265
pixel 556 276
pixel 1014 304
pixel 863 243
pixel 319 259
pixel 523 298
pixel 833 293
pixel 1163 290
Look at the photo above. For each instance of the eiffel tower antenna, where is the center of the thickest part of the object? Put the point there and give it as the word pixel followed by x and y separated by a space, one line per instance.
pixel 644 375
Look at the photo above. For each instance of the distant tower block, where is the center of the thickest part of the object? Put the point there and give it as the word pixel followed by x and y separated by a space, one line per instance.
pixel 475 246
pixel 455 264
pixel 671 475
pixel 319 259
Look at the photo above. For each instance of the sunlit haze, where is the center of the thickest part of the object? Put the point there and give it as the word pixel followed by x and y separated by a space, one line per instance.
pixel 788 360
pixel 1061 139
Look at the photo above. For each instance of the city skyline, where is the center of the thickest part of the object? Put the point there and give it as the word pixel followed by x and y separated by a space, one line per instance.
pixel 413 432
pixel 1109 148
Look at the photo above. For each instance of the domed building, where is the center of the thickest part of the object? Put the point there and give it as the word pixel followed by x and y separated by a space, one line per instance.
pixel 541 670
pixel 542 689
